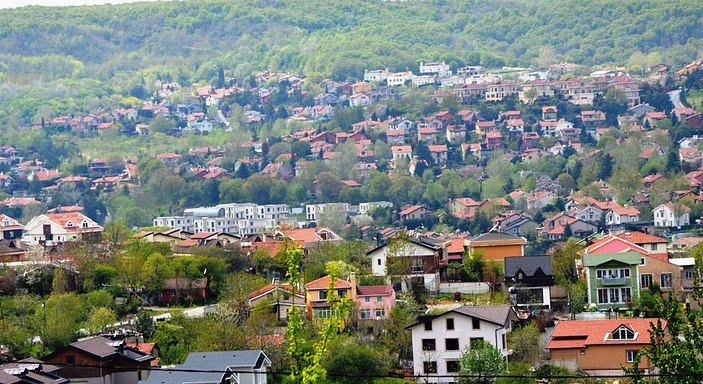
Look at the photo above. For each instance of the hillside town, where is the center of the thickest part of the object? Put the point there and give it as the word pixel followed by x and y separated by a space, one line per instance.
pixel 491 198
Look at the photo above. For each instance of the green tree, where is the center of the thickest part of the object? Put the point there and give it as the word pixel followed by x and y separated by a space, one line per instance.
pixel 482 362
pixel 525 344
pixel 155 271
pixel 59 320
pixel 100 319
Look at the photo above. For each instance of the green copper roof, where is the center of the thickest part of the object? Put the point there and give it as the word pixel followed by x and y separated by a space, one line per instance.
pixel 594 259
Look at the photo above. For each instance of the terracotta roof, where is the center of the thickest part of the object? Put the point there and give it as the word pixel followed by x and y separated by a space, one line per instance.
pixel 640 237
pixel 374 290
pixel 467 201
pixel 323 283
pixel 410 209
pixel 75 218
pixel 267 288
pixel 306 235
pixel 582 333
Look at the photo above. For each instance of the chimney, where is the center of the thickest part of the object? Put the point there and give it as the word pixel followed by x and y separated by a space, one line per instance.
pixel 352 281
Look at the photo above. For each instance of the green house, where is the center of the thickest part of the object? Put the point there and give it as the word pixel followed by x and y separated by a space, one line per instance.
pixel 612 279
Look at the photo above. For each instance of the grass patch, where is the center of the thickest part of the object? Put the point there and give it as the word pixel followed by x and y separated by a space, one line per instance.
pixel 694 98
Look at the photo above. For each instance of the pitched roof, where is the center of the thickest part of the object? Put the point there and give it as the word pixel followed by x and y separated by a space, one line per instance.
pixel 493 314
pixel 497 237
pixel 595 259
pixel 582 333
pixel 527 264
pixel 374 290
pixel 637 237
pixel 324 282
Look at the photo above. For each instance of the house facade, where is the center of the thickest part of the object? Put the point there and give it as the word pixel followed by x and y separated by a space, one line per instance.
pixel 612 279
pixel 408 262
pixel 600 347
pixel 671 215
pixel 438 341
pixel 497 246
pixel 53 228
pixel 374 302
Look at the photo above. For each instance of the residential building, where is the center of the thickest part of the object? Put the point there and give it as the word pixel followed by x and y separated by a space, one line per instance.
pixel 412 261
pixel 497 246
pixel 415 212
pixel 529 279
pixel 600 347
pixel 233 218
pixel 438 341
pixel 623 215
pixel 612 279
pixel 280 296
pixel 31 371
pixel 438 153
pixel 54 228
pixel 10 229
pixel 309 237
pixel 317 305
pixel 99 360
pixel 222 367
pixel 374 301
pixel 653 244
pixel 671 215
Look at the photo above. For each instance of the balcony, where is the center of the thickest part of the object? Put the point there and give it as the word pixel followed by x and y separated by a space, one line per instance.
pixel 611 281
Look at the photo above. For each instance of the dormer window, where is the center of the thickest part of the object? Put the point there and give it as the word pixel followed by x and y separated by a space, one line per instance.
pixel 69 224
pixel 623 333
pixel 84 224
pixel 5 223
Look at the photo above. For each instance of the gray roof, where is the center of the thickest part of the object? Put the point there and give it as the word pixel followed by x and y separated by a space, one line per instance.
pixel 252 358
pixel 209 367
pixel 496 236
pixel 492 314
pixel 528 265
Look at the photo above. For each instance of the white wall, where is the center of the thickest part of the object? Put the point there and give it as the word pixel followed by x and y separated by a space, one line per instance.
pixel 463 330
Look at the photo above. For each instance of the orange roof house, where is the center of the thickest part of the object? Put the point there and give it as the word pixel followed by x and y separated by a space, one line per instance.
pixel 316 301
pixel 600 347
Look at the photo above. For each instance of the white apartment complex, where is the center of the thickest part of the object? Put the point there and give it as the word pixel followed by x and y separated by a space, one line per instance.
pixel 234 218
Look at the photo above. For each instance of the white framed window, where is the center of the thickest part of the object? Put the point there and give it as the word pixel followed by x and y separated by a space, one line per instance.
pixel 646 280
pixel 623 333
pixel 630 356
pixel 367 299
pixel 667 280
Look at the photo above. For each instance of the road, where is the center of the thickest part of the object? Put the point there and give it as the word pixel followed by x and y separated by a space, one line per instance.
pixel 675 97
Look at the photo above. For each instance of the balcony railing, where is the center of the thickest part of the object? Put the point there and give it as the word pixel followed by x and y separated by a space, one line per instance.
pixel 608 281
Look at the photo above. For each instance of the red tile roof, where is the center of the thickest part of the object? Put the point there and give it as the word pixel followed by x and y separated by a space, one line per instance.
pixel 374 290
pixel 324 282
pixel 582 333
pixel 640 237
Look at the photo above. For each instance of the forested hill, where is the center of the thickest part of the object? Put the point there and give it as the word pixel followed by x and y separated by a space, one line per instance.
pixel 192 39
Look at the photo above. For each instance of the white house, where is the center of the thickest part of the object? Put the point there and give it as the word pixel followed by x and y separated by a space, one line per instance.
pixel 671 215
pixel 399 78
pixel 439 341
pixel 417 262
pixel 622 215
pixel 55 228
pixel 401 151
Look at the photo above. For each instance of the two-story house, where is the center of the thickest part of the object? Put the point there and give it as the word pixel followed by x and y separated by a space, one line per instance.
pixel 410 262
pixel 317 306
pixel 438 341
pixel 671 215
pixel 497 246
pixel 529 279
pixel 10 229
pixel 612 279
pixel 375 301
pixel 60 227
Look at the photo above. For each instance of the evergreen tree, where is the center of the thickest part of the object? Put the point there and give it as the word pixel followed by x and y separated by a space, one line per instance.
pixel 606 167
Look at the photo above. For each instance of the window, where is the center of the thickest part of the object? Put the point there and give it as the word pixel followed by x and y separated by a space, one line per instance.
pixel 630 356
pixel 342 292
pixel 380 312
pixel 452 366
pixel 688 274
pixel 667 280
pixel 323 295
pixel 378 261
pixel 450 324
pixel 367 299
pixel 451 344
pixel 623 333
pixel 428 325
pixel 428 345
pixel 475 323
pixel 430 366
pixel 365 313
pixel 654 248
pixel 643 261
pixel 70 359
pixel 379 299
pixel 473 340
pixel 646 280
